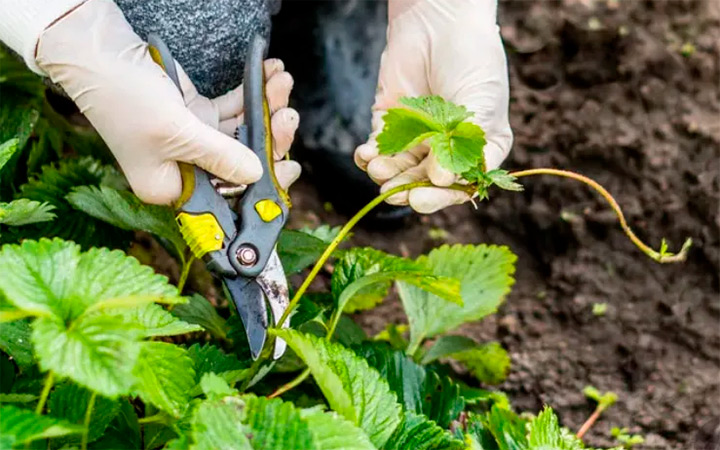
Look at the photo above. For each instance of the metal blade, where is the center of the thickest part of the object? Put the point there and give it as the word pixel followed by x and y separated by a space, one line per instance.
pixel 273 282
pixel 250 303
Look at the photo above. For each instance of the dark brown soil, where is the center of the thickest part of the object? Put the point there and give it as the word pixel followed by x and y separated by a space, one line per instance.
pixel 625 91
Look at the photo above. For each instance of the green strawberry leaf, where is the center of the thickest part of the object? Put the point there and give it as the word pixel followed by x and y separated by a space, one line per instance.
pixel 96 351
pixel 362 278
pixel 275 425
pixel 488 362
pixel 123 432
pixel 420 433
pixel 70 401
pixel 156 321
pixel 445 114
pixel 325 233
pixel 298 249
pixel 52 185
pixel 165 376
pixel 53 278
pixel 20 426
pixel 419 389
pixel 351 387
pixel 24 212
pixel 218 424
pixel 545 433
pixel 201 312
pixel 124 210
pixel 208 359
pixel 15 341
pixel 404 129
pixel 331 431
pixel 7 150
pixel 485 273
pixel 17 398
pixel 214 387
pixel 457 145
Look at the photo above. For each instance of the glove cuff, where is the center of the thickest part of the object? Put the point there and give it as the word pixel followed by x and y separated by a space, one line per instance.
pixel 24 21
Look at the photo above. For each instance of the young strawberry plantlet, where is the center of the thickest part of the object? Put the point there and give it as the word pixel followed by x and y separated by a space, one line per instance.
pixel 603 400
pixel 458 147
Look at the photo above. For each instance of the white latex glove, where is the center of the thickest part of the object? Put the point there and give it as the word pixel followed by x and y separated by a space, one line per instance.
pixel 93 53
pixel 450 48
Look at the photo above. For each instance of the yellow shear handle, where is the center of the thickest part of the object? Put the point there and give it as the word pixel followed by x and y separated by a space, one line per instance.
pixel 202 232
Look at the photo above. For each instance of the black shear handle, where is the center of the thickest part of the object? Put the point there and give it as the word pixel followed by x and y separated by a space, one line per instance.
pixel 263 209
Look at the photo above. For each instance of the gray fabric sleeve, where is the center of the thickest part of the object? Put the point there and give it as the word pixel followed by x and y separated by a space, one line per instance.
pixel 209 38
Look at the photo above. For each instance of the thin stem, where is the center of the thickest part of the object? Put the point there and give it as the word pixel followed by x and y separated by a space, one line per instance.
pixel 291 384
pixel 49 380
pixel 589 422
pixel 160 417
pixel 660 257
pixel 184 274
pixel 86 423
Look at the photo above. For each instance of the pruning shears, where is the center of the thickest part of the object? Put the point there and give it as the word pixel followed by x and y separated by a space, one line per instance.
pixel 239 245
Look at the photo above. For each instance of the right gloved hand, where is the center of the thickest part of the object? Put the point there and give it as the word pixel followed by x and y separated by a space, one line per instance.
pixel 93 53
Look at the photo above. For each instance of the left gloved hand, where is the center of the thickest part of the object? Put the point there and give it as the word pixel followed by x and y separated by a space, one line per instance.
pixel 447 48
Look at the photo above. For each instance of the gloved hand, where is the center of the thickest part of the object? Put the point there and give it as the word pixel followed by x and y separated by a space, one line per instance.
pixel 447 48
pixel 93 53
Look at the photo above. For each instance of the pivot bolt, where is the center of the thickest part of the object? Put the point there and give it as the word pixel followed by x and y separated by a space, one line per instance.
pixel 247 255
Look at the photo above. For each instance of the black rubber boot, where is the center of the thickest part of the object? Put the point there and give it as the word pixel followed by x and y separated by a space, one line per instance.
pixel 332 49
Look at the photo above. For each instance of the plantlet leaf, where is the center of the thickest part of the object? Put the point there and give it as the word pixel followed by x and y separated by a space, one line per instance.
pixel 445 114
pixel 201 312
pixel 485 273
pixel 52 185
pixel 458 145
pixel 404 130
pixel 20 426
pixel 351 387
pixel 124 210
pixel 460 150
pixel 165 376
pixel 96 351
pixel 370 273
pixel 24 212
pixel 604 400
pixel 70 401
pixel 417 432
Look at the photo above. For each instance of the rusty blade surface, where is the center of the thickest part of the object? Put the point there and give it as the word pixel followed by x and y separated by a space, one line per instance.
pixel 273 282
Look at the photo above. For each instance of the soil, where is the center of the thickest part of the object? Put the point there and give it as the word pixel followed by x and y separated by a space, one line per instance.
pixel 626 92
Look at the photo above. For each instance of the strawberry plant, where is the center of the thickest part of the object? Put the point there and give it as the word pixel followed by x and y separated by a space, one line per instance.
pixel 98 351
